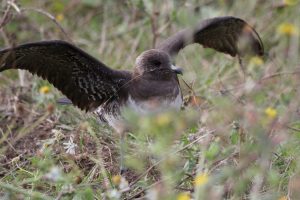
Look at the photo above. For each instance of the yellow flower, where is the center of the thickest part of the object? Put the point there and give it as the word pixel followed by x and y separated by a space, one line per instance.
pixel 201 179
pixel 271 112
pixel 184 196
pixel 163 119
pixel 59 17
pixel 256 60
pixel 45 90
pixel 283 198
pixel 116 179
pixel 290 2
pixel 287 29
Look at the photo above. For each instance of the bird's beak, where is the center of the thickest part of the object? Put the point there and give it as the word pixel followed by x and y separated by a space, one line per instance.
pixel 177 70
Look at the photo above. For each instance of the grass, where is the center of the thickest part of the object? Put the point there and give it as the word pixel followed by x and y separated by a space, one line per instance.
pixel 237 138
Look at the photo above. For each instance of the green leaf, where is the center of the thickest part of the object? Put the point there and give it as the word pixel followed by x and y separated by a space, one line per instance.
pixel 212 151
pixel 86 194
pixel 92 3
pixel 234 137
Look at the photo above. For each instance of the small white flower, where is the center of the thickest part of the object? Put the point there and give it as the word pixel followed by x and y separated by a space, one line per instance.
pixel 114 194
pixel 124 186
pixel 67 189
pixel 249 85
pixel 54 174
pixel 70 146
pixel 152 194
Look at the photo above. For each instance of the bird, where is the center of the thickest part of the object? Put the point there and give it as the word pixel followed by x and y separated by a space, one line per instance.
pixel 151 86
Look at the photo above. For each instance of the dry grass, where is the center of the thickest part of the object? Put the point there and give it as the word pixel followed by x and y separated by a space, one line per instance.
pixel 238 140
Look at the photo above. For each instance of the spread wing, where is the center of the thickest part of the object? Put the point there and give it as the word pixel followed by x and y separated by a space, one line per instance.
pixel 229 35
pixel 86 81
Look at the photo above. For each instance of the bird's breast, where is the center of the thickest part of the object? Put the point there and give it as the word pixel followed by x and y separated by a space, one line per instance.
pixel 154 104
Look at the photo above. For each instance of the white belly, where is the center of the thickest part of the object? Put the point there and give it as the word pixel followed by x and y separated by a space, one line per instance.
pixel 155 104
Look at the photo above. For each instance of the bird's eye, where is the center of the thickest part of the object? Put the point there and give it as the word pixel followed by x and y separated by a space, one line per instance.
pixel 156 62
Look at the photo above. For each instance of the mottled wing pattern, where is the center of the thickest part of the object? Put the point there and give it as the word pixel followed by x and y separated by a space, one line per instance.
pixel 86 81
pixel 229 35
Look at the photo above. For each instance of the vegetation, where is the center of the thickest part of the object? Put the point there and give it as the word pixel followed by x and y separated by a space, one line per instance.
pixel 238 136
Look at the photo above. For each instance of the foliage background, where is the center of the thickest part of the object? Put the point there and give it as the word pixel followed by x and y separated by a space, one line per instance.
pixel 237 138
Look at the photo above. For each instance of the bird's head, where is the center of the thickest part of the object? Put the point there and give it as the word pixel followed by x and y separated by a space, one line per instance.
pixel 155 63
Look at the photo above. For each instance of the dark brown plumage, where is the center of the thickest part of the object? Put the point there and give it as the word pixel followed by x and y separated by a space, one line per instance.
pixel 92 86
pixel 84 80
pixel 228 34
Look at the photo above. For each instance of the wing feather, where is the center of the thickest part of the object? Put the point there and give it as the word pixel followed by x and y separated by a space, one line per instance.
pixel 228 35
pixel 86 81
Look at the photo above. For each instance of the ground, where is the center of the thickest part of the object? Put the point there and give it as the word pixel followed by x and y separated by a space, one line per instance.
pixel 236 138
